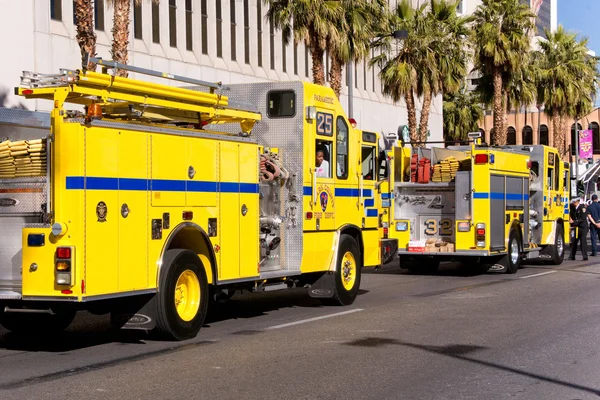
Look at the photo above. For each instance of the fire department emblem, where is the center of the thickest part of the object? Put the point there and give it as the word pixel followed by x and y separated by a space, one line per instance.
pixel 101 211
pixel 324 200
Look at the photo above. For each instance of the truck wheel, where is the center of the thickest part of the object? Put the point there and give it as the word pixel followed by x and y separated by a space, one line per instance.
pixel 512 260
pixel 558 250
pixel 27 323
pixel 182 298
pixel 347 273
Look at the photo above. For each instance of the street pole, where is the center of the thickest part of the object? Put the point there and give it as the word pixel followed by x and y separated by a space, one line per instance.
pixel 576 150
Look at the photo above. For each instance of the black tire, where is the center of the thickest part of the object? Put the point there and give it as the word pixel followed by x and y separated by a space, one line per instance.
pixel 31 323
pixel 512 261
pixel 344 296
pixel 169 324
pixel 558 250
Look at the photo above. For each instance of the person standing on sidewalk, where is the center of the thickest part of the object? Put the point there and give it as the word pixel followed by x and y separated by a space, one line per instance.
pixel 594 218
pixel 580 221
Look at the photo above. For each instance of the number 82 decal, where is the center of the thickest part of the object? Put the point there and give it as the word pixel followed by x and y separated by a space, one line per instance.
pixel 444 227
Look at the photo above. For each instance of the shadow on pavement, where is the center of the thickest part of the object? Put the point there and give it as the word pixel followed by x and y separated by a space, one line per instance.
pixel 446 269
pixel 462 352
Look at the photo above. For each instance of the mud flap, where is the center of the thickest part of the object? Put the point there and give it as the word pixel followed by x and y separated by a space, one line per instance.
pixel 137 312
pixel 324 287
pixel 389 248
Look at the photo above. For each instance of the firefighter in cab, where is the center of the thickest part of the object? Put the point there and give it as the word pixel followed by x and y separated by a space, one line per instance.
pixel 580 223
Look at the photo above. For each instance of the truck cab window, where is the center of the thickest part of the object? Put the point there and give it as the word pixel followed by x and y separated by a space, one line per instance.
pixel 342 149
pixel 368 162
pixel 322 159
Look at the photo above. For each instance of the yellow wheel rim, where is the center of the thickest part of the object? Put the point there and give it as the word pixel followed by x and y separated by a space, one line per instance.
pixel 348 270
pixel 187 295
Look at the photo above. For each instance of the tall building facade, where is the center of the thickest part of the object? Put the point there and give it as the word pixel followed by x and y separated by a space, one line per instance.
pixel 231 41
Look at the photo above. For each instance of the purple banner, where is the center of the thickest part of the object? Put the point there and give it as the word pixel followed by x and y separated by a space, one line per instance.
pixel 586 146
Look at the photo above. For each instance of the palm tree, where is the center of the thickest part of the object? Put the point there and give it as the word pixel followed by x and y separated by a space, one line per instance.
pixel 310 21
pixel 86 37
pixel 359 23
pixel 462 112
pixel 402 64
pixel 568 78
pixel 120 41
pixel 446 66
pixel 500 37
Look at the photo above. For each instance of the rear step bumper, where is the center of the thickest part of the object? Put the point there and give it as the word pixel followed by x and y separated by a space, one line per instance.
pixel 9 295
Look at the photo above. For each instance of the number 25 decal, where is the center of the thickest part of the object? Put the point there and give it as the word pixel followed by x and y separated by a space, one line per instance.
pixel 324 124
pixel 445 227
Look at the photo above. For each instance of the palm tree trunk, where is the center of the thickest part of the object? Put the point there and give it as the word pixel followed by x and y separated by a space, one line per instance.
pixel 412 117
pixel 120 32
pixel 318 69
pixel 335 76
pixel 86 37
pixel 424 120
pixel 499 132
pixel 557 133
pixel 561 145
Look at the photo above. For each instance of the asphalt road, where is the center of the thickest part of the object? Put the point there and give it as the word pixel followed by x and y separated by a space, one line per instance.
pixel 453 335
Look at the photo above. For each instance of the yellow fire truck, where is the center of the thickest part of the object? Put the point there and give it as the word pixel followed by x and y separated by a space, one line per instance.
pixel 484 205
pixel 148 200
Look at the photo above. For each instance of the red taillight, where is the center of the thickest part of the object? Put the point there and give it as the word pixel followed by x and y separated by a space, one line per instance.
pixel 27 92
pixel 188 215
pixel 529 164
pixel 481 158
pixel 481 232
pixel 66 291
pixel 63 252
pixel 385 233
pixel 309 215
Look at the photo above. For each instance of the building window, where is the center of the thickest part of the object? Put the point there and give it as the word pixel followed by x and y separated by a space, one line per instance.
pixel 459 7
pixel 137 20
pixel 56 10
pixel 155 23
pixel 233 27
pixel 527 135
pixel 99 15
pixel 219 29
pixel 272 42
pixel 189 41
pixel 365 74
pixel 173 23
pixel 246 32
pixel 595 128
pixel 74 13
pixel 544 135
pixel 204 12
pixel 259 32
pixel 295 58
pixel 373 70
pixel 511 136
pixel 283 56
pixel 306 60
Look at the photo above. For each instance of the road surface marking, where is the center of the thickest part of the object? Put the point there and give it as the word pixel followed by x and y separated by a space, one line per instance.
pixel 304 321
pixel 534 275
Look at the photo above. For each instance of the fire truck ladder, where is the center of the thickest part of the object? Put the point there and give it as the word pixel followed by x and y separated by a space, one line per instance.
pixel 133 99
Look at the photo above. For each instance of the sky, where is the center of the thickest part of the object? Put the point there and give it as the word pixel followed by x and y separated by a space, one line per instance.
pixel 581 17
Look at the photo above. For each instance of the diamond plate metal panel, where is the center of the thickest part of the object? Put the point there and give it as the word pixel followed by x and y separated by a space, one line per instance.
pixel 287 135
pixel 23 196
pixel 11 250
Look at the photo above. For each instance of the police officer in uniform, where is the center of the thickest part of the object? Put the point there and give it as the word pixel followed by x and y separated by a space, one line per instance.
pixel 580 222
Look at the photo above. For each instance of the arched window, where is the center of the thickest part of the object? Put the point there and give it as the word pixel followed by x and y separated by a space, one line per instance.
pixel 482 131
pixel 527 135
pixel 492 137
pixel 596 136
pixel 544 135
pixel 511 135
pixel 574 138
